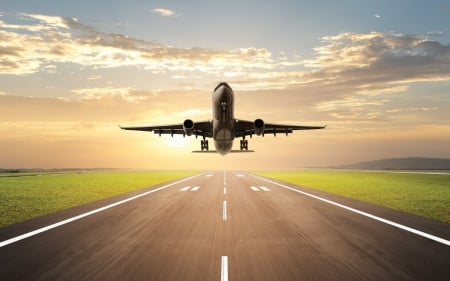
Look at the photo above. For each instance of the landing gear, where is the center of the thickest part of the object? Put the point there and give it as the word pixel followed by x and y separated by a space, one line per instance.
pixel 244 144
pixel 204 144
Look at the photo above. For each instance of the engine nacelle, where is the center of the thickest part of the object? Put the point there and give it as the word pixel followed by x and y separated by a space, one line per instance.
pixel 188 127
pixel 259 127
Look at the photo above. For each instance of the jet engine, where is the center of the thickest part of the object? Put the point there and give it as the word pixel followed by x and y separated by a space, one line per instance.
pixel 188 127
pixel 259 127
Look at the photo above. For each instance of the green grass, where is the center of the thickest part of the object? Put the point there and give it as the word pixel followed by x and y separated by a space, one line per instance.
pixel 29 196
pixel 421 194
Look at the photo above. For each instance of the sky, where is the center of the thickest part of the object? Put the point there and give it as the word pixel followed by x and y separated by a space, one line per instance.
pixel 377 73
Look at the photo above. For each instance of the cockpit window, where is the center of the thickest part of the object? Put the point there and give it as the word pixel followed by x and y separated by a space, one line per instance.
pixel 222 84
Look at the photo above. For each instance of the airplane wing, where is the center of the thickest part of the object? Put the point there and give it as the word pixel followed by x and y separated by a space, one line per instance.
pixel 202 128
pixel 248 128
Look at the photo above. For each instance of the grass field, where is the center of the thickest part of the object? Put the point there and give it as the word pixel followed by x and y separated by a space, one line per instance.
pixel 425 195
pixel 29 195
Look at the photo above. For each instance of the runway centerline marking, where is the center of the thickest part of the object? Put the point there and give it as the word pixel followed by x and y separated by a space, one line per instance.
pixel 72 219
pixel 388 222
pixel 224 213
pixel 264 188
pixel 254 188
pixel 186 188
pixel 224 270
pixel 224 190
pixel 195 188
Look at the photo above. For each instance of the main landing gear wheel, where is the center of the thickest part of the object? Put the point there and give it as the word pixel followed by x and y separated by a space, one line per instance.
pixel 205 145
pixel 244 144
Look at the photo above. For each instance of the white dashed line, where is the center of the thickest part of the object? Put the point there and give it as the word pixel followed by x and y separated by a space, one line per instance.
pixel 224 190
pixel 224 213
pixel 195 188
pixel 264 188
pixel 254 188
pixel 224 271
pixel 186 188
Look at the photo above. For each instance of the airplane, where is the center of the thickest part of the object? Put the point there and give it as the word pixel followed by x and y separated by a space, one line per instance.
pixel 223 128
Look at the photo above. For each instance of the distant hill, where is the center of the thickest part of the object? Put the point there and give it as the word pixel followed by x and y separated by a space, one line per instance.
pixel 413 163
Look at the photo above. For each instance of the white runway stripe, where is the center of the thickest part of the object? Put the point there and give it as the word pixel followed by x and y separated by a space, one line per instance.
pixel 368 215
pixel 224 271
pixel 263 188
pixel 90 213
pixel 186 188
pixel 224 213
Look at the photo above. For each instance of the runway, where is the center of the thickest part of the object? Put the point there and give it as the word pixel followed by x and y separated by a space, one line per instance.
pixel 226 225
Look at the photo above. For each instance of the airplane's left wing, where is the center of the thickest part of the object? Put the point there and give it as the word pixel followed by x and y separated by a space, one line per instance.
pixel 187 128
pixel 259 127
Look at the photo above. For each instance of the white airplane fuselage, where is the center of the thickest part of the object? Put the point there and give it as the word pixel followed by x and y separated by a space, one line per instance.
pixel 223 118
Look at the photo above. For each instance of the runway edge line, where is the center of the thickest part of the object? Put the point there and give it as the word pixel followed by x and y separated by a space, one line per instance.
pixel 391 223
pixel 72 219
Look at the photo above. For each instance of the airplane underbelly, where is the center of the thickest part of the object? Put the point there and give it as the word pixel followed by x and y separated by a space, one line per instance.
pixel 223 140
pixel 224 135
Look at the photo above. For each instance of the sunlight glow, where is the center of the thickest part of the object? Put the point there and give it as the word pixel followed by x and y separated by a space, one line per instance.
pixel 176 141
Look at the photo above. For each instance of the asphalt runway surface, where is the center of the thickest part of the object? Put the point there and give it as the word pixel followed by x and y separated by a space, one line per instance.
pixel 226 225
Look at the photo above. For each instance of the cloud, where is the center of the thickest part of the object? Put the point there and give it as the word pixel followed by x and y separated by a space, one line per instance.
pixel 196 112
pixel 66 40
pixel 397 110
pixel 347 70
pixel 54 21
pixel 351 72
pixel 99 93
pixel 164 12
pixel 435 33
pixel 375 49
pixel 372 62
pixel 362 61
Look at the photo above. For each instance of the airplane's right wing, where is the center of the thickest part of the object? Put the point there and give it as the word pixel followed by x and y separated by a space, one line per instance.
pixel 188 128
